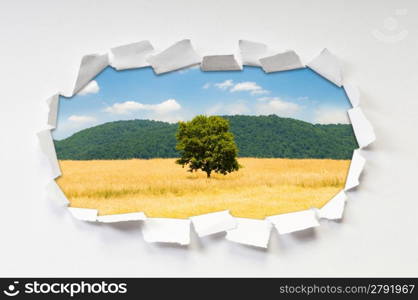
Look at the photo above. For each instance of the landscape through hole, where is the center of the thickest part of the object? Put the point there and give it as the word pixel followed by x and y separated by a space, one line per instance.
pixel 116 142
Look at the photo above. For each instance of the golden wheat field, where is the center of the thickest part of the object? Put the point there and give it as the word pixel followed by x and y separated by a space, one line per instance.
pixel 161 188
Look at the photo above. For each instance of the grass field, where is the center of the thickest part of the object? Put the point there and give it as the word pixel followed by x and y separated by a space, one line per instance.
pixel 161 188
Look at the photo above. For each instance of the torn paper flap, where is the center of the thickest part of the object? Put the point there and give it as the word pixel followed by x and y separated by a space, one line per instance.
pixel 251 52
pixel 327 65
pixel 90 66
pixel 362 128
pixel 135 216
pixel 180 55
pixel 48 149
pixel 52 103
pixel 352 93
pixel 164 230
pixel 356 167
pixel 91 86
pixel 296 221
pixel 333 209
pixel 250 232
pixel 131 56
pixel 54 192
pixel 285 61
pixel 213 223
pixel 84 214
pixel 220 63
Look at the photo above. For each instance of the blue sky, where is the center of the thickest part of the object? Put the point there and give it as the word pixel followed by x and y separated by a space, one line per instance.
pixel 180 95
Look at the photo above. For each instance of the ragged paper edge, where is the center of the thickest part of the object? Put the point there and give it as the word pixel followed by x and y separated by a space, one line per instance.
pixel 54 192
pixel 251 52
pixel 362 127
pixel 284 61
pixel 259 55
pixel 91 65
pixel 166 230
pixel 212 223
pixel 356 167
pixel 328 66
pixel 179 56
pixel 133 216
pixel 333 209
pixel 294 221
pixel 240 230
pixel 52 103
pixel 250 232
pixel 47 148
pixel 353 93
pixel 228 62
pixel 92 215
pixel 131 56
pixel 84 214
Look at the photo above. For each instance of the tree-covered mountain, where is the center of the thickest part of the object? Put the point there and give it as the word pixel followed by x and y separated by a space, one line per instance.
pixel 255 136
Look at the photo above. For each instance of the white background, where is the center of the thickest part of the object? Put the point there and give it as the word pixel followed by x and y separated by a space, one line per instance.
pixel 41 45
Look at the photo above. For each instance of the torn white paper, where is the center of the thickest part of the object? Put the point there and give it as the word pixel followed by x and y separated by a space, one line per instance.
pixel 327 65
pixel 213 223
pixel 353 93
pixel 136 216
pixel 166 230
pixel 334 208
pixel 250 232
pixel 251 52
pixel 90 66
pixel 296 221
pixel 288 60
pixel 131 56
pixel 180 55
pixel 52 103
pixel 54 192
pixel 362 128
pixel 84 214
pixel 220 63
pixel 356 167
pixel 48 149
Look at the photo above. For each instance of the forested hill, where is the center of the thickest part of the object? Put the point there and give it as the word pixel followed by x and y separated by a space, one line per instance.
pixel 255 136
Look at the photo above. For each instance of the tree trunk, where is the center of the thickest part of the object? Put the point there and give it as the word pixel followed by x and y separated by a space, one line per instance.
pixel 208 173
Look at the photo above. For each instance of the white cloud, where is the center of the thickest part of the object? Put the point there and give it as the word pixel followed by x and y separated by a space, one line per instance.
pixel 91 88
pixel 267 98
pixel 260 92
pixel 215 109
pixel 124 107
pixel 81 119
pixel 73 124
pixel 165 107
pixel 132 106
pixel 331 116
pixel 236 108
pixel 206 86
pixel 249 86
pixel 275 105
pixel 224 85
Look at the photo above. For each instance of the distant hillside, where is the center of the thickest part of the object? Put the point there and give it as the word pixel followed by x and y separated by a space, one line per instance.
pixel 256 136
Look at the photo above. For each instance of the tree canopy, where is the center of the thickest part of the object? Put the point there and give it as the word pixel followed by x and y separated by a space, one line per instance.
pixel 205 143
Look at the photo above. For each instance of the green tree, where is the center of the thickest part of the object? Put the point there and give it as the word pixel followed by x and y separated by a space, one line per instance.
pixel 205 143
